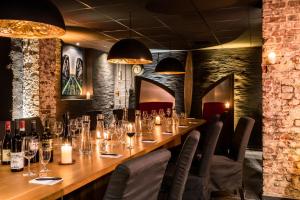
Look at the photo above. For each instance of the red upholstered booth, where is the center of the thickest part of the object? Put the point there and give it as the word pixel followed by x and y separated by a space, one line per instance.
pixel 212 108
pixel 149 106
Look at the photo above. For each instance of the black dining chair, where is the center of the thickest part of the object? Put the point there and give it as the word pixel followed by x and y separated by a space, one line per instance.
pixel 197 185
pixel 139 178
pixel 176 175
pixel 227 171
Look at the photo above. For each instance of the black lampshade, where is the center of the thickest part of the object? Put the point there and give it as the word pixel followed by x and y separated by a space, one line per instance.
pixel 30 19
pixel 129 51
pixel 170 65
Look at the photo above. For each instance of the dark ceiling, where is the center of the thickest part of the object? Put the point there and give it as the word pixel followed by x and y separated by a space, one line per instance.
pixel 163 24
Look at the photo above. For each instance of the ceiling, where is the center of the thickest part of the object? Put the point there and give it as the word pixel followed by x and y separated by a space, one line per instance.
pixel 162 24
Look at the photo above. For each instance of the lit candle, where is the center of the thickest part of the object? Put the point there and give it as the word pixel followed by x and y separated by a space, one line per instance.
pixel 66 154
pixel 157 120
pixel 227 105
pixel 88 95
pixel 272 57
pixel 98 135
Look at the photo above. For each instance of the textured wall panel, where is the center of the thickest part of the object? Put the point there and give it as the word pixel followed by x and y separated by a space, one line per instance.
pixel 245 63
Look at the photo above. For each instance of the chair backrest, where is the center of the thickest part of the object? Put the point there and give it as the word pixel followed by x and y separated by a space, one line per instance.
pixel 241 138
pixel 139 178
pixel 212 108
pixel 183 165
pixel 209 148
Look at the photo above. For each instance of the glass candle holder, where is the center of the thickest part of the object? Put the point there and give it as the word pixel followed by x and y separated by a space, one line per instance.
pixel 66 154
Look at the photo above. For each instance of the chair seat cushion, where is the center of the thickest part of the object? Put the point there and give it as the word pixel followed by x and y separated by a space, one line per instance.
pixel 226 174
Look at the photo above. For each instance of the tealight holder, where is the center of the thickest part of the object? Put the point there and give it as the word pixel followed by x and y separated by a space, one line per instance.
pixel 66 157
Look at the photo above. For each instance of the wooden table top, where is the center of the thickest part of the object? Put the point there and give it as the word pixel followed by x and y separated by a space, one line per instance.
pixel 85 170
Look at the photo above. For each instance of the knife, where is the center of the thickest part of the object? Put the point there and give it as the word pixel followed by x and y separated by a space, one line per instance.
pixel 48 179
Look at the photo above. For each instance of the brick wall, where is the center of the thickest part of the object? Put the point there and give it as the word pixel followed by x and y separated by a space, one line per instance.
pixel 281 99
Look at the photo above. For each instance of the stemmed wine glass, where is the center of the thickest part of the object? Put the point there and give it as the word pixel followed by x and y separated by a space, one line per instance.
pixel 45 155
pixel 73 126
pixel 79 124
pixel 30 146
pixel 130 133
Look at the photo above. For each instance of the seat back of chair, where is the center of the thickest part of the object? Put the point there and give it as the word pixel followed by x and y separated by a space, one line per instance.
pixel 241 138
pixel 183 165
pixel 209 148
pixel 139 178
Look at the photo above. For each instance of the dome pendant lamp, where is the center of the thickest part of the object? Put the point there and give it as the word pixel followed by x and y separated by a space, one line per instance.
pixel 129 51
pixel 30 19
pixel 170 66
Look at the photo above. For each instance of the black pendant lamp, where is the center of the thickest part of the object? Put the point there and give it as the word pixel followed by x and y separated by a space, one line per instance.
pixel 129 51
pixel 170 66
pixel 30 19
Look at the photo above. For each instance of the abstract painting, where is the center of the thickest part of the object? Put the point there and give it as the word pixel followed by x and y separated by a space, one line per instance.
pixel 72 76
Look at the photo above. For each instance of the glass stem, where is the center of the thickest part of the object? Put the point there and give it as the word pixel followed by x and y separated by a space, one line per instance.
pixel 28 167
pixel 130 142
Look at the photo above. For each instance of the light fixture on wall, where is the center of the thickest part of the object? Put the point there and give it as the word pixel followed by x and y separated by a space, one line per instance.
pixel 30 19
pixel 169 66
pixel 272 57
pixel 129 51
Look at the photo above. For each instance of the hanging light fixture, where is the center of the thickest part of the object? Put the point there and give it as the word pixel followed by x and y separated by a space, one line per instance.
pixel 170 66
pixel 129 51
pixel 30 19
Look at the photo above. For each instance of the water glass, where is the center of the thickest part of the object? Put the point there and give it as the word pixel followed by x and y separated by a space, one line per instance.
pixel 85 139
pixel 45 155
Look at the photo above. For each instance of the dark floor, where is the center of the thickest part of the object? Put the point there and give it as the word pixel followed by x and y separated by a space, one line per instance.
pixel 252 179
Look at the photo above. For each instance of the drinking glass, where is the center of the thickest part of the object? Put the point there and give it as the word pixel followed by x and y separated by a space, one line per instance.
pixel 153 113
pixel 169 112
pixel 145 114
pixel 73 126
pixel 45 155
pixel 150 124
pixel 79 124
pixel 30 146
pixel 130 133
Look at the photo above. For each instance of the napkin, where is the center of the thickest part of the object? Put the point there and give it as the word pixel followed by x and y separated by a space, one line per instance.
pixel 191 118
pixel 167 133
pixel 45 182
pixel 110 155
pixel 148 141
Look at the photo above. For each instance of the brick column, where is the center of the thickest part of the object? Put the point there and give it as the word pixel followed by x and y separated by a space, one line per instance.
pixel 281 98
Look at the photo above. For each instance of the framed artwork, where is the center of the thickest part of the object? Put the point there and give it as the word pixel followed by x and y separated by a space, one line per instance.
pixel 72 72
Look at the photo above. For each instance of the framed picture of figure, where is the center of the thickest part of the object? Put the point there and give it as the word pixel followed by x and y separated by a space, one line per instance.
pixel 72 72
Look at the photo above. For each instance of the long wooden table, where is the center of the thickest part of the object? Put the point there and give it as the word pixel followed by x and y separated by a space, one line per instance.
pixel 86 168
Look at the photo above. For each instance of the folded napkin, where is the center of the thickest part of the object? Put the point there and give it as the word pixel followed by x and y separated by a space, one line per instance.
pixel 148 141
pixel 167 133
pixel 110 155
pixel 46 180
pixel 191 118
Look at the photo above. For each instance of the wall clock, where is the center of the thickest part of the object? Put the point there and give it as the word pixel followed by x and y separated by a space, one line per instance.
pixel 138 69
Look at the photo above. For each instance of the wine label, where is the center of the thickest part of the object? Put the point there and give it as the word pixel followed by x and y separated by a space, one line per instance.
pixel 5 155
pixel 17 160
pixel 47 143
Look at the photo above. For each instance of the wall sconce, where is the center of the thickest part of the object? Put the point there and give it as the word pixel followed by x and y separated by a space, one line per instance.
pixel 227 105
pixel 272 57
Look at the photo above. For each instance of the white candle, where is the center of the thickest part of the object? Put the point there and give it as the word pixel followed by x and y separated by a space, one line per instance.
pixel 98 135
pixel 66 154
pixel 157 120
pixel 88 95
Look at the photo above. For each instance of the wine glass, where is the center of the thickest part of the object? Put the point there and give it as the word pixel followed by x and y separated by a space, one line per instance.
pixel 45 155
pixel 153 113
pixel 130 133
pixel 30 146
pixel 168 112
pixel 79 124
pixel 145 114
pixel 73 126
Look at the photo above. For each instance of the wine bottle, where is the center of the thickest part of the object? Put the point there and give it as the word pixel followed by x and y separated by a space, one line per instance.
pixel 6 145
pixel 47 140
pixel 16 154
pixel 67 137
pixel 34 134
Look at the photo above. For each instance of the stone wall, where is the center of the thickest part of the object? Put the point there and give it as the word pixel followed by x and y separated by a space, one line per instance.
pixel 174 82
pixel 281 99
pixel 245 63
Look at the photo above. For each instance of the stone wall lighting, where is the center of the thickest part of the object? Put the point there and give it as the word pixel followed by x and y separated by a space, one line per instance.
pixel 272 57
